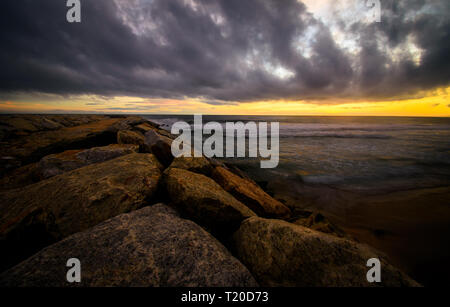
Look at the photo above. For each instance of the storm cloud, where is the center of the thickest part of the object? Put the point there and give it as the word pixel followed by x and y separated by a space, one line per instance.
pixel 223 51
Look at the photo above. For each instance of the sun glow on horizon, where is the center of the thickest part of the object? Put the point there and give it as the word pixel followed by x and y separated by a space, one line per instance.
pixel 436 103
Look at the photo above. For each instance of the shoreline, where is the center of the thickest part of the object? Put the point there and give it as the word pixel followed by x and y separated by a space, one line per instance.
pixel 411 226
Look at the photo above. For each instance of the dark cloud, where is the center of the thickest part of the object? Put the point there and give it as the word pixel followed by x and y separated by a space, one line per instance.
pixel 131 108
pixel 219 51
pixel 426 24
pixel 218 102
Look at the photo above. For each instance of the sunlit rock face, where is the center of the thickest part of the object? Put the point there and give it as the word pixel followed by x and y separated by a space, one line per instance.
pixel 204 201
pixel 281 254
pixel 250 194
pixel 53 209
pixel 56 164
pixel 151 247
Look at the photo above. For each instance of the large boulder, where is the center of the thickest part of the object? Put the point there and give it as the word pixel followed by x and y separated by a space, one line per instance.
pixel 105 153
pixel 204 201
pixel 146 248
pixel 250 194
pixel 79 132
pixel 145 127
pixel 282 254
pixel 56 164
pixel 47 211
pixel 130 137
pixel 199 165
pixel 159 145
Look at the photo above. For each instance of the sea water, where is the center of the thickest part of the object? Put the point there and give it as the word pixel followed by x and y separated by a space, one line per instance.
pixel 373 154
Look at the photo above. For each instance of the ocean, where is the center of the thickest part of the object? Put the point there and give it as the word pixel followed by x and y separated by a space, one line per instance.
pixel 374 154
pixel 385 180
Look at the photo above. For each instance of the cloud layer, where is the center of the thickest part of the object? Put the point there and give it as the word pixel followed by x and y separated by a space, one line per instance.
pixel 224 51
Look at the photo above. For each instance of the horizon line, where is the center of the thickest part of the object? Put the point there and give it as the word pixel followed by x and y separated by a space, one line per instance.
pixel 192 114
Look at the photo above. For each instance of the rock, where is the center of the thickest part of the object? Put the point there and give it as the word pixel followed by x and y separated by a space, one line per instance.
pixel 279 253
pixel 42 213
pixel 144 128
pixel 166 134
pixel 56 164
pixel 317 221
pixel 105 153
pixel 203 200
pixel 149 126
pixel 127 123
pixel 236 170
pixel 20 177
pixel 130 137
pixel 197 165
pixel 31 148
pixel 22 124
pixel 159 145
pixel 250 194
pixel 151 247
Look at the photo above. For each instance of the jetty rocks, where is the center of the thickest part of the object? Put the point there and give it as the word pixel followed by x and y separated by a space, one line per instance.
pixel 55 208
pixel 152 246
pixel 107 191
pixel 279 253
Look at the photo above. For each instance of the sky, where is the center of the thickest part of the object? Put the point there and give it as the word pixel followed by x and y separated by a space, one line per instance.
pixel 274 57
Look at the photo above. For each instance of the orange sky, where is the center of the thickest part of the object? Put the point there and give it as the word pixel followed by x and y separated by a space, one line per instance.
pixel 436 103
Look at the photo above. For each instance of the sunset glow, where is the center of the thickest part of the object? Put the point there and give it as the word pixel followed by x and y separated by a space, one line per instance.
pixel 435 103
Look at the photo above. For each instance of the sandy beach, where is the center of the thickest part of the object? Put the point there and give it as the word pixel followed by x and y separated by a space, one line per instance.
pixel 412 227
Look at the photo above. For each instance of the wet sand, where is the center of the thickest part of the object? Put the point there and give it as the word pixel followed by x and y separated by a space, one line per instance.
pixel 411 227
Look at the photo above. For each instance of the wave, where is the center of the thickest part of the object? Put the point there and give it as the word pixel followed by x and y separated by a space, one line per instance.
pixel 165 123
pixel 337 135
pixel 361 128
pixel 369 131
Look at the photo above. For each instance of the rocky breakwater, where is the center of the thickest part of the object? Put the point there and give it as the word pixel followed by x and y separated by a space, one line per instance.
pixel 55 208
pixel 283 254
pixel 26 139
pixel 152 246
pixel 135 216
